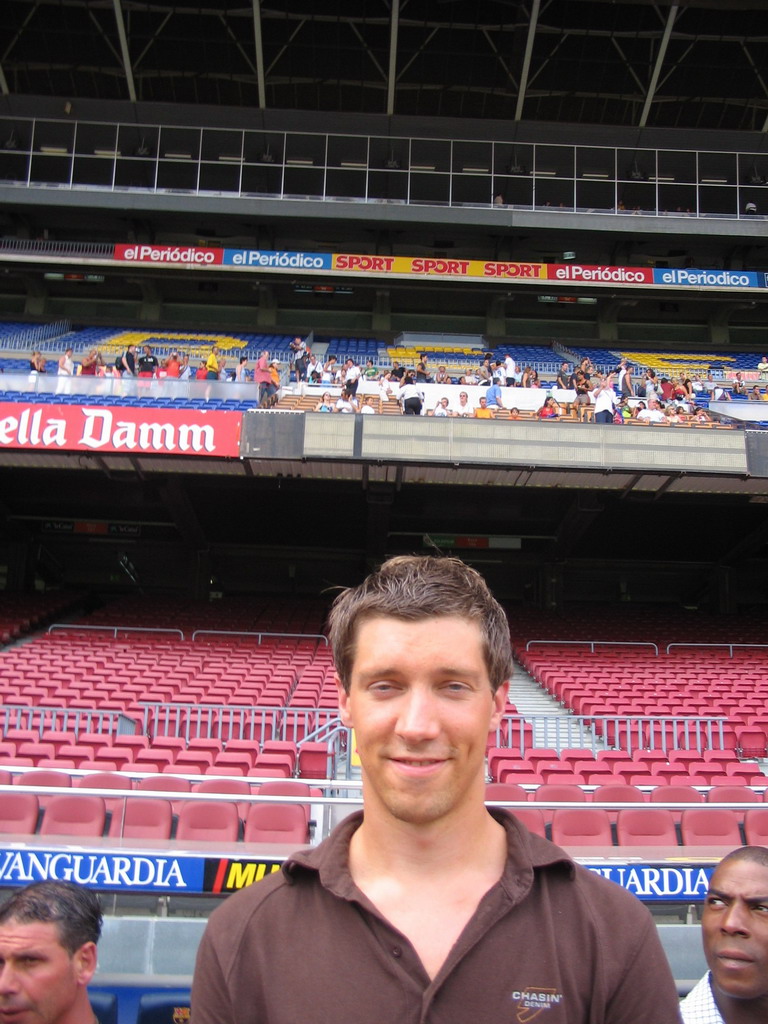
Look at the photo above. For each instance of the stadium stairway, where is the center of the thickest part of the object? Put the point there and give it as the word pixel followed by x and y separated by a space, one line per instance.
pixel 532 700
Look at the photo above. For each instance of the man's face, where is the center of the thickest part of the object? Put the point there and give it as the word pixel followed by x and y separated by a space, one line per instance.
pixel 40 982
pixel 734 927
pixel 421 704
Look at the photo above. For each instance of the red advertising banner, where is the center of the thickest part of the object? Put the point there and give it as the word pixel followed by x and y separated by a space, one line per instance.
pixel 599 275
pixel 173 255
pixel 119 429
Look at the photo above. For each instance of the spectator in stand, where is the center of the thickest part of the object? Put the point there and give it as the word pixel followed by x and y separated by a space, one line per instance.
pixel 624 381
pixel 721 392
pixel 66 364
pixel 329 371
pixel 482 412
pixel 422 377
pixel 494 396
pixel 397 371
pixel 673 414
pixel 441 409
pixel 653 413
pixel 347 403
pixel 514 413
pixel 763 368
pixel 274 373
pixel 213 364
pixel 527 377
pixel 442 376
pixel 485 371
pixel 754 394
pixel 296 351
pixel 700 415
pixel 300 360
pixel 147 363
pixel 605 399
pixel 351 377
pixel 651 385
pixel 314 369
pixel 48 937
pixel 367 405
pixel 667 389
pixel 464 409
pixel 734 932
pixel 37 362
pixel 201 373
pixel 410 396
pixel 263 378
pixel 242 373
pixel 126 364
pixel 738 386
pixel 510 370
pixel 563 378
pixel 172 365
pixel 325 404
pixel 185 370
pixel 91 363
pixel 371 371
pixel 499 376
pixel 550 410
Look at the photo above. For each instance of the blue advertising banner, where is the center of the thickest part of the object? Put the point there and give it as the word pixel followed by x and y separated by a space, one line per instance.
pixel 269 260
pixel 678 883
pixel 98 869
pixel 691 278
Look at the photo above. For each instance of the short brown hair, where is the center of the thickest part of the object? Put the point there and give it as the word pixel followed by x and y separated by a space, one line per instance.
pixel 413 588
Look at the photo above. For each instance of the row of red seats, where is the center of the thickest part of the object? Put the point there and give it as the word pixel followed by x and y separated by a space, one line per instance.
pixel 643 767
pixel 84 815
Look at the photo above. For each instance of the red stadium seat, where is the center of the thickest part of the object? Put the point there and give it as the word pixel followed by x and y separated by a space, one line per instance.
pixel 206 821
pixel 315 761
pixel 533 819
pixel 583 826
pixel 645 826
pixel 504 791
pixel 676 794
pixel 276 823
pixel 233 787
pixel 756 826
pixel 43 777
pixel 142 818
pixel 553 791
pixel 74 815
pixel 18 813
pixel 710 826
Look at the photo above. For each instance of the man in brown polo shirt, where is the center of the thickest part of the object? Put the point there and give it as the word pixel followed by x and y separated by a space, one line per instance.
pixel 426 907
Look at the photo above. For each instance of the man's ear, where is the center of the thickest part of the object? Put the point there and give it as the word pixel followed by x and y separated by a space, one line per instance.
pixel 85 959
pixel 344 711
pixel 499 705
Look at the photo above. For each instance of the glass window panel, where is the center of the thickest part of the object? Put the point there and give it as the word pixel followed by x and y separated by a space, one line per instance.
pixel 264 147
pixel 140 141
pixel 180 143
pixel 55 138
pixel 388 186
pixel 347 151
pixel 554 161
pixel 222 146
pixel 430 155
pixel 472 157
pixel 636 164
pixel 516 160
pixel 389 154
pixel 717 168
pixel 305 150
pixel 676 166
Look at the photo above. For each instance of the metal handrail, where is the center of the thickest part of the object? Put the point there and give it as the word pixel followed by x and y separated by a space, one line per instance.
pixel 260 634
pixel 597 643
pixel 114 630
pixel 723 643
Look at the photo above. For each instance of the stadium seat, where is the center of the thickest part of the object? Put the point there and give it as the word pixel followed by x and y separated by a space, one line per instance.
pixel 553 791
pixel 74 815
pixel 233 787
pixel 142 818
pixel 315 761
pixel 533 819
pixel 676 794
pixel 44 777
pixel 756 826
pixel 645 826
pixel 168 1007
pixel 504 791
pixel 276 823
pixel 710 826
pixel 18 813
pixel 206 821
pixel 583 826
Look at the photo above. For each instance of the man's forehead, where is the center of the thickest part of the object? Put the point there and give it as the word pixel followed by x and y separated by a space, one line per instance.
pixel 27 934
pixel 741 877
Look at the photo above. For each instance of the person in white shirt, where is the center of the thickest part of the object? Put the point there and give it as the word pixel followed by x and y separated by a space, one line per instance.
pixel 346 403
pixel 441 409
pixel 510 370
pixel 605 399
pixel 653 414
pixel 734 931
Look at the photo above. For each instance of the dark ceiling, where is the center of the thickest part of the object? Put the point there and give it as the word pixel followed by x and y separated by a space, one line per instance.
pixel 700 64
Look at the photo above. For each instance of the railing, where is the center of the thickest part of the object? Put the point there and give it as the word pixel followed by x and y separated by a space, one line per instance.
pixel 626 732
pixel 73 720
pixel 260 634
pixel 592 644
pixel 232 721
pixel 154 388
pixel 77 627
pixel 730 647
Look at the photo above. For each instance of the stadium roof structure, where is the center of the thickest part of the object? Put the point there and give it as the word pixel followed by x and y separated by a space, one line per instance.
pixel 691 64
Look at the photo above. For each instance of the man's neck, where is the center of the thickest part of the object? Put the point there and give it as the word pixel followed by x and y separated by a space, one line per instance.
pixel 741 1011
pixel 386 845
